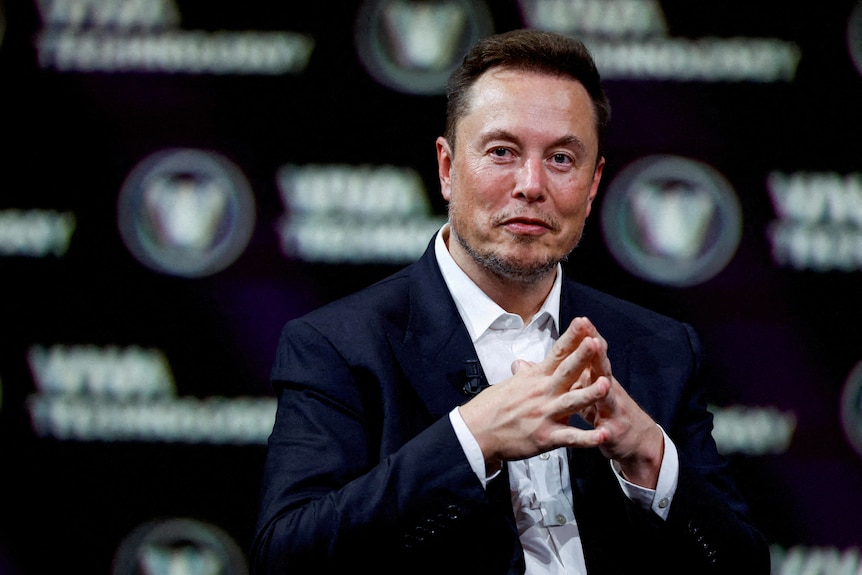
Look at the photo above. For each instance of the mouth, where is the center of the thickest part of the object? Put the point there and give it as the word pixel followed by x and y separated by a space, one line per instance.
pixel 526 226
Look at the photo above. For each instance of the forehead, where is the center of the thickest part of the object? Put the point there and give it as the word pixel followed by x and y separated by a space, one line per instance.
pixel 532 100
pixel 506 83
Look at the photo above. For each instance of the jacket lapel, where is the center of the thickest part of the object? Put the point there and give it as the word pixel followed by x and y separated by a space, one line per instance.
pixel 434 348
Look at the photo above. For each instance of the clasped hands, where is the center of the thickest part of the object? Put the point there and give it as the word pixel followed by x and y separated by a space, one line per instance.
pixel 529 413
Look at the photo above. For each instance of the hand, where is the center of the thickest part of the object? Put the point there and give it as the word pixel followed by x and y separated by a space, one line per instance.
pixel 632 438
pixel 528 413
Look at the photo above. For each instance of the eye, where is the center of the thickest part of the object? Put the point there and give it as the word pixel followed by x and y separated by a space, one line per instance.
pixel 500 152
pixel 562 159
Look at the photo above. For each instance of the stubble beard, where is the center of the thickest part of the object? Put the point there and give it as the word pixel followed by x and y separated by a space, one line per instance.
pixel 507 269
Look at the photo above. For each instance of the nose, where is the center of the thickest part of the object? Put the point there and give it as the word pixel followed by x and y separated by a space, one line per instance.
pixel 530 180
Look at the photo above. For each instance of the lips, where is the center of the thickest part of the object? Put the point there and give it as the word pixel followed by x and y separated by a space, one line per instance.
pixel 527 226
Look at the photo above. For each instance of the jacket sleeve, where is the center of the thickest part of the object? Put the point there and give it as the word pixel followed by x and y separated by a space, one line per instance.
pixel 709 515
pixel 355 472
pixel 708 528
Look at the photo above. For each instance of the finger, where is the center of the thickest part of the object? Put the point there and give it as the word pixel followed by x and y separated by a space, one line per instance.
pixel 520 364
pixel 567 343
pixel 580 399
pixel 601 364
pixel 584 379
pixel 576 367
pixel 616 397
pixel 578 438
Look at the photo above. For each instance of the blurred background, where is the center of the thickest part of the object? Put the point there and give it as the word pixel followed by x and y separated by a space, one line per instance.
pixel 179 178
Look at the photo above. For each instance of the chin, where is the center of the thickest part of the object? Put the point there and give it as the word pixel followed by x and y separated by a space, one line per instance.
pixel 536 264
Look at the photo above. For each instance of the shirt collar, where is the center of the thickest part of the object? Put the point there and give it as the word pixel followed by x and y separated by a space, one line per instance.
pixel 477 310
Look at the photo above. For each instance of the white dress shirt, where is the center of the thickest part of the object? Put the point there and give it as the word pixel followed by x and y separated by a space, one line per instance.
pixel 540 486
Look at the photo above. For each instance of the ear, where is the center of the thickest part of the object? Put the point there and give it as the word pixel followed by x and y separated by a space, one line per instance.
pixel 444 167
pixel 594 186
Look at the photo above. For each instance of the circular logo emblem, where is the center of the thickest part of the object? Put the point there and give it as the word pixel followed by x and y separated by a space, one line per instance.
pixel 413 47
pixel 854 36
pixel 671 220
pixel 851 408
pixel 186 212
pixel 178 546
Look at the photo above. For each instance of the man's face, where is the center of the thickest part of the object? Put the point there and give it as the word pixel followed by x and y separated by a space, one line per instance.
pixel 523 176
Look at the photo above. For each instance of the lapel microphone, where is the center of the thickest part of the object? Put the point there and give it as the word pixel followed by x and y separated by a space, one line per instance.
pixel 475 380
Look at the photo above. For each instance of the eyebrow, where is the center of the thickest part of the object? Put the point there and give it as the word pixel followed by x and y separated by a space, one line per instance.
pixel 565 141
pixel 572 140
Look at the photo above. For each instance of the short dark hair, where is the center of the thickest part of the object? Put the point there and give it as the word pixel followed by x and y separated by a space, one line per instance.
pixel 532 50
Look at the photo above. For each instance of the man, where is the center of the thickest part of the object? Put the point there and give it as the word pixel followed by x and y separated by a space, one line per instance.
pixel 590 452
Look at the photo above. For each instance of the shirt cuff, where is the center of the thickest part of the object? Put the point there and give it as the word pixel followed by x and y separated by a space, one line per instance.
pixel 659 499
pixel 470 447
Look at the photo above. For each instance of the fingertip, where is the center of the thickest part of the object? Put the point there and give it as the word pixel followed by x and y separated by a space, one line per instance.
pixel 601 386
pixel 519 364
pixel 602 436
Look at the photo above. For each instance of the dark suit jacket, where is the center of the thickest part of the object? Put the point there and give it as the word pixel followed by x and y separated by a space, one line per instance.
pixel 364 471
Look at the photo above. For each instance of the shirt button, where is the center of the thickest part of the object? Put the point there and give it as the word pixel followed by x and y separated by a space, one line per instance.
pixel 663 502
pixel 508 322
pixel 561 519
pixel 544 456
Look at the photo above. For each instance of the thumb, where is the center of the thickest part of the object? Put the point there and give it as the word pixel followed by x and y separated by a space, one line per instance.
pixel 520 364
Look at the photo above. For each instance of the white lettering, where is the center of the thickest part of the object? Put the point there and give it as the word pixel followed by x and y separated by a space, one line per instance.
pixel 752 431
pixel 343 240
pixel 819 224
pixel 816 247
pixel 801 560
pixel 368 190
pixel 214 420
pixel 132 372
pixel 608 17
pixel 35 233
pixel 707 59
pixel 194 52
pixel 817 197
pixel 108 13
pixel 354 214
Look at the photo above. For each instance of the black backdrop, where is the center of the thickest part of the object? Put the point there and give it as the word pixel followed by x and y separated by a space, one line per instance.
pixel 134 392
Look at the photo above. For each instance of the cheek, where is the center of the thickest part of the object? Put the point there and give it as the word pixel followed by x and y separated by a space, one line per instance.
pixel 476 190
pixel 586 206
pixel 485 177
pixel 579 202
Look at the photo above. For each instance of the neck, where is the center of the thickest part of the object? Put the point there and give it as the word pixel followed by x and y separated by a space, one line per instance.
pixel 523 297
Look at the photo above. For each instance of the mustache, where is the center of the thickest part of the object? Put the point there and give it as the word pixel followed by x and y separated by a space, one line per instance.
pixel 530 216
